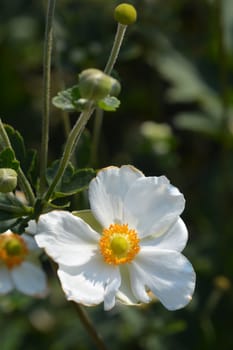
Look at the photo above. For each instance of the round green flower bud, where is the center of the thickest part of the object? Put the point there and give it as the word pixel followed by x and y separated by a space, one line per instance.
pixel 8 180
pixel 94 84
pixel 125 14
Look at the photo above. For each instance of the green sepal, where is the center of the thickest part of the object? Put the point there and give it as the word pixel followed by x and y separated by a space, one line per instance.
pixel 7 159
pixel 109 103
pixel 88 217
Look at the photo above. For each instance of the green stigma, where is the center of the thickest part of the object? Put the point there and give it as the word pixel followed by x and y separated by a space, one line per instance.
pixel 119 246
pixel 13 247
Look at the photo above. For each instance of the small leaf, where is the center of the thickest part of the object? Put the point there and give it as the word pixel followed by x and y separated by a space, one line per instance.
pixel 67 100
pixel 78 182
pixel 7 159
pixel 17 143
pixel 109 103
pixel 26 158
pixel 72 181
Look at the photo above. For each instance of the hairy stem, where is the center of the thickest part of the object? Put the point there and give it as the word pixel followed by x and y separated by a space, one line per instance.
pixel 73 137
pixel 46 90
pixel 116 48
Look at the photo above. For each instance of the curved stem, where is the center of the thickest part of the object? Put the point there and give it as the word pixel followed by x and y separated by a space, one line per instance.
pixel 46 91
pixel 23 181
pixel 90 327
pixel 73 137
pixel 116 48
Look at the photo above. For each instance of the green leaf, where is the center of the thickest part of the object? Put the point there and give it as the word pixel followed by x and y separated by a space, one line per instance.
pixel 7 159
pixel 109 103
pixel 26 158
pixel 78 182
pixel 72 182
pixel 17 143
pixel 67 100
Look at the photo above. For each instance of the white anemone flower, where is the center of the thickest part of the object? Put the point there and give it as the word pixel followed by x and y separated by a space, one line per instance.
pixel 133 252
pixel 19 268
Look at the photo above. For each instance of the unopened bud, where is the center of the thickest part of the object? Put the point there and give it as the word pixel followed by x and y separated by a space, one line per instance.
pixel 125 14
pixel 95 84
pixel 8 180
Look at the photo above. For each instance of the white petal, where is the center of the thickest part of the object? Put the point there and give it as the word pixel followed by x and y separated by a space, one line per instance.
pixel 168 274
pixel 66 238
pixel 30 242
pixel 31 227
pixel 91 283
pixel 174 239
pixel 107 192
pixel 29 279
pixel 6 283
pixel 125 294
pixel 152 205
pixel 67 228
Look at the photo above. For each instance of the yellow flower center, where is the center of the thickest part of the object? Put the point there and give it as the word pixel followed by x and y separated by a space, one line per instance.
pixel 119 244
pixel 13 249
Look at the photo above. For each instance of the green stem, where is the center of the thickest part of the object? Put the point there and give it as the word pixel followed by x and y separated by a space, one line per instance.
pixel 17 210
pixel 90 327
pixel 116 48
pixel 96 135
pixel 120 33
pixel 46 91
pixel 73 137
pixel 23 182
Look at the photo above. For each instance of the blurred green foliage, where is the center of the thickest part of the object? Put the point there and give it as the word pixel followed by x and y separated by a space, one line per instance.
pixel 175 118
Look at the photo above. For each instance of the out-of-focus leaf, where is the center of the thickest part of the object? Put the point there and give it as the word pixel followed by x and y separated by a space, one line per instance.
pixel 196 122
pixel 187 84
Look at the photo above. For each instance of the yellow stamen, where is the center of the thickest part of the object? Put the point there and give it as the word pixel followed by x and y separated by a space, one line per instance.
pixel 13 249
pixel 119 244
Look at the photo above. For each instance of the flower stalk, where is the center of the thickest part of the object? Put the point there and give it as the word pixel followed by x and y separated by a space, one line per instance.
pixel 83 316
pixel 46 90
pixel 121 29
pixel 71 141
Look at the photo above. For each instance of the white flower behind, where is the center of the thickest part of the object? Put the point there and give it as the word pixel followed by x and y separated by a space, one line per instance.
pixel 137 251
pixel 19 268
